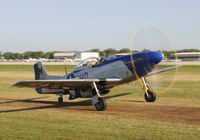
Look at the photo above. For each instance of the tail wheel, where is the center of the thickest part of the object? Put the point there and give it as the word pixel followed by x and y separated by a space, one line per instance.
pixel 101 105
pixel 151 96
pixel 60 99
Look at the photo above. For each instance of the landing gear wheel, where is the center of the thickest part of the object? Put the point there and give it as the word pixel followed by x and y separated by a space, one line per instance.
pixel 101 105
pixel 60 99
pixel 151 96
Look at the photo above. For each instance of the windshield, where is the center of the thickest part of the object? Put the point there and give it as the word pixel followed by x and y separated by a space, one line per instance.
pixel 89 62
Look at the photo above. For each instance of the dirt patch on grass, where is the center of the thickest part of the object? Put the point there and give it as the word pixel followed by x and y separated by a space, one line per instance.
pixel 153 111
pixel 124 109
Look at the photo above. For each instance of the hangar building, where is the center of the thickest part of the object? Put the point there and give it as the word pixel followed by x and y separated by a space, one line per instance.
pixel 74 55
pixel 187 56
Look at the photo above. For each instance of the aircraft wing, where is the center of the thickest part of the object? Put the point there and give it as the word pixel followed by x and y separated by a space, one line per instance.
pixel 65 83
pixel 163 70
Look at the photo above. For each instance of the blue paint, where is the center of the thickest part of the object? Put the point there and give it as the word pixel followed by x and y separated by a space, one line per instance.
pixel 144 61
pixel 37 77
pixel 155 57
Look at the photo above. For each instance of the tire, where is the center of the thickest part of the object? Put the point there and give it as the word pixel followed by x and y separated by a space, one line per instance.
pixel 60 99
pixel 101 105
pixel 151 98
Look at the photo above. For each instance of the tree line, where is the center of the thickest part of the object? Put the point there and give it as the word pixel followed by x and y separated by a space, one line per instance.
pixel 106 52
pixel 27 55
pixel 49 55
pixel 110 51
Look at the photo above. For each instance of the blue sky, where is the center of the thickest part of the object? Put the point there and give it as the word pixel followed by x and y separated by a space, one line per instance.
pixel 64 25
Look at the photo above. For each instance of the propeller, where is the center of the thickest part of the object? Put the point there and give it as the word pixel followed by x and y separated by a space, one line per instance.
pixel 153 38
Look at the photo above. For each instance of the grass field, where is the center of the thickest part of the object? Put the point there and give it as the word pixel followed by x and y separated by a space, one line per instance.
pixel 27 115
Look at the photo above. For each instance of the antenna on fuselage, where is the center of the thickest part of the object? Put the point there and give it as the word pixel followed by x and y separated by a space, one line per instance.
pixel 65 70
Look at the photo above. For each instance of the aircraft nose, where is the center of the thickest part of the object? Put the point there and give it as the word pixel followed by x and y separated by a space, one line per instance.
pixel 155 57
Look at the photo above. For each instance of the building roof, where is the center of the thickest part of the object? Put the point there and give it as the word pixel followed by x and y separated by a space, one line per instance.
pixel 64 54
pixel 189 53
pixel 71 53
pixel 89 52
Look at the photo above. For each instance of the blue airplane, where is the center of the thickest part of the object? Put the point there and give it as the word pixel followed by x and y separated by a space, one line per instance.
pixel 94 77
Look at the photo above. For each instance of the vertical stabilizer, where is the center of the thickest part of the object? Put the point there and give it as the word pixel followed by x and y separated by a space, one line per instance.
pixel 40 71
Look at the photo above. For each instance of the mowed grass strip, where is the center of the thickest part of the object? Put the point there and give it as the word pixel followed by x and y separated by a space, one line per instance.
pixel 57 125
pixel 41 118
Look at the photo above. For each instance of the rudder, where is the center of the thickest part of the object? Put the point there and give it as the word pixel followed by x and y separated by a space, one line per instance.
pixel 40 71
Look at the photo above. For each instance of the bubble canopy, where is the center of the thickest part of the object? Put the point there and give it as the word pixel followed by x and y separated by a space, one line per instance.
pixel 87 63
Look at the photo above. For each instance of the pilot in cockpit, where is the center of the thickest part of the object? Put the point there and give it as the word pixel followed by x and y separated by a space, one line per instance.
pixel 87 63
pixel 102 60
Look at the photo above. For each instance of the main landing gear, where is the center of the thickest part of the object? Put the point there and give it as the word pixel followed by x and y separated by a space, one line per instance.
pixel 99 102
pixel 148 95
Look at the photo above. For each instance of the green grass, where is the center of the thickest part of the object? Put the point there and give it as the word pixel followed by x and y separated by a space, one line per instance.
pixel 81 122
pixel 37 125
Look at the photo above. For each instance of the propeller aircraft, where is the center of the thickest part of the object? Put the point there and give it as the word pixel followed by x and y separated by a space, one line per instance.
pixel 94 77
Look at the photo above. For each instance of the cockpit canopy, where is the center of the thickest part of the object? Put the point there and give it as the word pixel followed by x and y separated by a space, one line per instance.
pixel 87 63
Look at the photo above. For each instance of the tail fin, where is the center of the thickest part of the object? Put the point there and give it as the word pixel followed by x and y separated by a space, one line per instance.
pixel 40 71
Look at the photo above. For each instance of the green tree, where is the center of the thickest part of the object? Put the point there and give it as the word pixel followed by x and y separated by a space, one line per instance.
pixel 49 55
pixel 101 53
pixel 27 55
pixel 31 54
pixel 110 51
pixel 38 54
pixel 94 50
pixel 167 54
pixel 17 56
pixel 8 55
pixel 146 50
pixel 189 50
pixel 124 50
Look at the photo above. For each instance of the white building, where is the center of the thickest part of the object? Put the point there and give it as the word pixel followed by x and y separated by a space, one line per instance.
pixel 74 55
pixel 187 56
pixel 84 55
pixel 64 55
